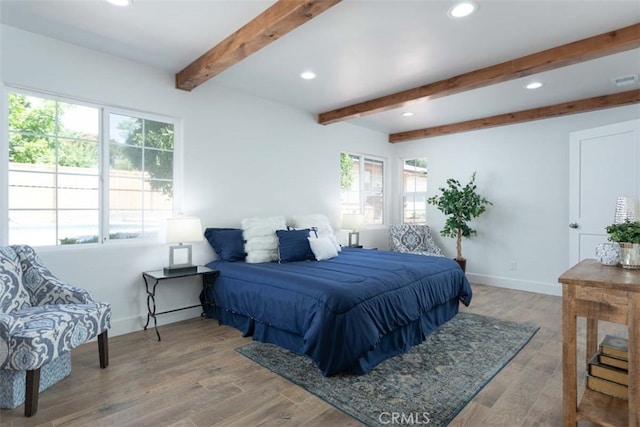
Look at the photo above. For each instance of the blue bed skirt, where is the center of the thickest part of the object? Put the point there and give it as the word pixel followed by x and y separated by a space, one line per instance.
pixel 392 344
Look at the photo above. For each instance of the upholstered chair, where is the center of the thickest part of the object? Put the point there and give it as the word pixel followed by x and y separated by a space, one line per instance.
pixel 412 238
pixel 41 320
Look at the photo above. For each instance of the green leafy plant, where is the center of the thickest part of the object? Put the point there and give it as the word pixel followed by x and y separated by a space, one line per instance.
pixel 625 232
pixel 461 204
pixel 346 171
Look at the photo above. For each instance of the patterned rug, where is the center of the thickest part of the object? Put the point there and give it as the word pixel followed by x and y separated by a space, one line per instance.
pixel 430 384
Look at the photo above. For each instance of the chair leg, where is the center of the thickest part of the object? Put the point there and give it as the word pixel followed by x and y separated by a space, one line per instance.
pixel 103 349
pixel 31 392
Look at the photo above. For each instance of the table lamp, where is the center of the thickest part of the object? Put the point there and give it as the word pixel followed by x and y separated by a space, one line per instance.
pixel 353 222
pixel 182 230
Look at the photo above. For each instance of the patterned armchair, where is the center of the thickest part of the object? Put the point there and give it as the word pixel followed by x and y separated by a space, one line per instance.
pixel 412 238
pixel 41 320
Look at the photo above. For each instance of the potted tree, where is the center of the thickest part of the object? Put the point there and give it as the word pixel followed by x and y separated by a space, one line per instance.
pixel 461 204
pixel 627 235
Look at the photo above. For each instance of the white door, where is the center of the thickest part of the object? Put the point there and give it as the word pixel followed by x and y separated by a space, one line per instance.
pixel 604 163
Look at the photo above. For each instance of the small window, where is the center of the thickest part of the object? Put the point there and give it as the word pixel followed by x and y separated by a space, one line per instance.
pixel 414 193
pixel 362 184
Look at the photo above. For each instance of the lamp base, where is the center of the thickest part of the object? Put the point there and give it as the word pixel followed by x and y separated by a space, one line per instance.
pixel 354 239
pixel 180 270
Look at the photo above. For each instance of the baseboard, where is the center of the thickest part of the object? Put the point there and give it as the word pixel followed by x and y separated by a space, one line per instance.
pixel 521 285
pixel 136 323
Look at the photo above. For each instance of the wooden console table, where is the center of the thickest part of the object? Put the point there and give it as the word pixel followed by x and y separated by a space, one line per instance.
pixel 599 292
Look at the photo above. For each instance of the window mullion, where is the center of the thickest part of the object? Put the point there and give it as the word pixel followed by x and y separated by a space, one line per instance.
pixel 361 182
pixel 104 175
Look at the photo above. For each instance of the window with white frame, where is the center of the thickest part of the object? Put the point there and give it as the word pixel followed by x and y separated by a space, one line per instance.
pixel 83 173
pixel 414 191
pixel 362 185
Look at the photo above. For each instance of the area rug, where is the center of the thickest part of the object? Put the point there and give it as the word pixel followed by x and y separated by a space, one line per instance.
pixel 430 384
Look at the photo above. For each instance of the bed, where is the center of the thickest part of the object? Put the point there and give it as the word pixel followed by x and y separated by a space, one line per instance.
pixel 347 313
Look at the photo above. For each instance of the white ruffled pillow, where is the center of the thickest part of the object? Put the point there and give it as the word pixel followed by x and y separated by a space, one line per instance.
pixel 322 248
pixel 260 237
pixel 321 222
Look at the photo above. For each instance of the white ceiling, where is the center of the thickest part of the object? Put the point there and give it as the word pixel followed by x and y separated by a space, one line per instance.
pixel 360 49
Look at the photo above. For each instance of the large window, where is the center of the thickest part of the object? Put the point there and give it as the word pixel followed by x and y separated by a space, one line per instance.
pixel 414 191
pixel 81 173
pixel 362 183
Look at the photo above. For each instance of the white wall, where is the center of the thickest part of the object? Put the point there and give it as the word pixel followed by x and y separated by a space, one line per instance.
pixel 246 156
pixel 243 156
pixel 523 170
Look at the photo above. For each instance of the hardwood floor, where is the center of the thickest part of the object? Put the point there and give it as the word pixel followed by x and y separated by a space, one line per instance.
pixel 194 377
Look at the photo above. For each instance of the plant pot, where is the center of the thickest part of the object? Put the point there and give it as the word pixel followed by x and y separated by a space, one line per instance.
pixel 630 255
pixel 462 263
pixel 608 253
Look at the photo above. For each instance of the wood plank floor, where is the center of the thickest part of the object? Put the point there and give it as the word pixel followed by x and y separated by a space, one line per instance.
pixel 194 377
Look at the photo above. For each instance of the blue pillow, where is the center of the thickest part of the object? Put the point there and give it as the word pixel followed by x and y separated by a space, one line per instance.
pixel 227 242
pixel 293 245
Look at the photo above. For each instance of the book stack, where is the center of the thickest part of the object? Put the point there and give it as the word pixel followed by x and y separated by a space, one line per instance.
pixel 609 368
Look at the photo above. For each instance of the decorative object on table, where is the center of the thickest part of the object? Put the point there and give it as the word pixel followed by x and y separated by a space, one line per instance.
pixel 181 230
pixel 626 209
pixel 615 347
pixel 610 388
pixel 627 235
pixel 608 373
pixel 41 320
pixel 439 376
pixel 609 369
pixel 461 205
pixel 355 223
pixel 608 253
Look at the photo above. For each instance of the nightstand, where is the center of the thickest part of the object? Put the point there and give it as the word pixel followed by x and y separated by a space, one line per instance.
pixel 208 279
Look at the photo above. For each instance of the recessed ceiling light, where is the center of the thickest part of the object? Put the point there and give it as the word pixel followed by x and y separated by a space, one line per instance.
pixel 533 85
pixel 120 2
pixel 407 114
pixel 462 9
pixel 308 75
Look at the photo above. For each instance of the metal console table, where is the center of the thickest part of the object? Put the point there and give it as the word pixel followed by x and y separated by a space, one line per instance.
pixel 208 278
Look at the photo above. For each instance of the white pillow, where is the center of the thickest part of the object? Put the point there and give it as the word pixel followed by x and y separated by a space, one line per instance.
pixel 321 222
pixel 260 237
pixel 322 248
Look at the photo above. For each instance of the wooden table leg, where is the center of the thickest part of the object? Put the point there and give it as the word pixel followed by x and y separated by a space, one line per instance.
pixel 592 339
pixel 569 375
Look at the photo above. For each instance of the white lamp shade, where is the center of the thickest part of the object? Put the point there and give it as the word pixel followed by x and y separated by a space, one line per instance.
pixel 353 222
pixel 183 229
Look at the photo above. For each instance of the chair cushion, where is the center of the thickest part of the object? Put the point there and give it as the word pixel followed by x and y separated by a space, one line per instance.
pixel 43 333
pixel 13 294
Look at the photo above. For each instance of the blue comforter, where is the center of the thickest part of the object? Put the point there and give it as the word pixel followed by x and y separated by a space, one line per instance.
pixel 342 307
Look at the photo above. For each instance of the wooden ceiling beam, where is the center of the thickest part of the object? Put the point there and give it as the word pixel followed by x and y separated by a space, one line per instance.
pixel 566 108
pixel 598 46
pixel 279 19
